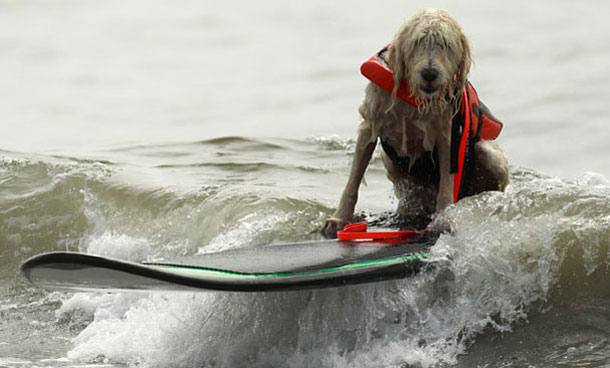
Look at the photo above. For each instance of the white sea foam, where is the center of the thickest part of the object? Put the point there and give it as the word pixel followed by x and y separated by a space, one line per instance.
pixel 119 246
pixel 252 228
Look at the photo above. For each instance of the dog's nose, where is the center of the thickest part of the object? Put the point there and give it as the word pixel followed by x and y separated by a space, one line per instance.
pixel 429 74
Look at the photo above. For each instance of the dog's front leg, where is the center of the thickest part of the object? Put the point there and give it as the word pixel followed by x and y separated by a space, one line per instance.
pixel 362 156
pixel 445 188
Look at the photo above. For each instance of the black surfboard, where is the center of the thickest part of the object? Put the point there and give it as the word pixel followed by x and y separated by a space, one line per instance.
pixel 288 266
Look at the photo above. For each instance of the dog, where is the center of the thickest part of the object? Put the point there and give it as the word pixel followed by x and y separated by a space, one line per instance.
pixel 431 54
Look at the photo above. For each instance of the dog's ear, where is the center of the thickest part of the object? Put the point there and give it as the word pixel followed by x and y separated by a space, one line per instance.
pixel 396 60
pixel 465 61
pixel 401 49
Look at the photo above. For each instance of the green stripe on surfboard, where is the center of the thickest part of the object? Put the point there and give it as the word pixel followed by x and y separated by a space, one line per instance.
pixel 194 271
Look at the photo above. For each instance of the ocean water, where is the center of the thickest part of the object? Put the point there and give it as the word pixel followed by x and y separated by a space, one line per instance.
pixel 153 129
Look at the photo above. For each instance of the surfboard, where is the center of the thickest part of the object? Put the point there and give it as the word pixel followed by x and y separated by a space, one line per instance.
pixel 272 267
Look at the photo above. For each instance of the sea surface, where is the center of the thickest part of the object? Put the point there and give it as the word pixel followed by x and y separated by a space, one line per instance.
pixel 153 129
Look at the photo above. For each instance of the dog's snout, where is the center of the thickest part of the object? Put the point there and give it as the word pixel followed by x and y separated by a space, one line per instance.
pixel 429 74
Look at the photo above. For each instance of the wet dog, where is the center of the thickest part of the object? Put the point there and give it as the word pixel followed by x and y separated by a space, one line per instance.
pixel 431 53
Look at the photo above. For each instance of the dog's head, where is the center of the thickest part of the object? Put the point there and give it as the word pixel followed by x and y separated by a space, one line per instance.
pixel 432 54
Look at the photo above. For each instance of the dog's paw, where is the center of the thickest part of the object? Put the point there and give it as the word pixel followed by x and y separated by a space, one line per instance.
pixel 331 226
pixel 440 224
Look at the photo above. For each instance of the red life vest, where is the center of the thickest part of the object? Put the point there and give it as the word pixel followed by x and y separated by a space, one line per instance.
pixel 472 123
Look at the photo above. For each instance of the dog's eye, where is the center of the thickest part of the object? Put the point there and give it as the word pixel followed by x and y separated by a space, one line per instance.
pixel 443 44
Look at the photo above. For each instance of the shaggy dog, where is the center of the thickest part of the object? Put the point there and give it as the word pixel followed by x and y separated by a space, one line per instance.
pixel 432 55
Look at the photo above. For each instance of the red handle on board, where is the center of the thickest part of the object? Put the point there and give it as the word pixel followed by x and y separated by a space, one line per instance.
pixel 358 231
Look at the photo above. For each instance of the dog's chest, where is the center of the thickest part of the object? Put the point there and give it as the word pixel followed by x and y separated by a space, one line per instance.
pixel 409 139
